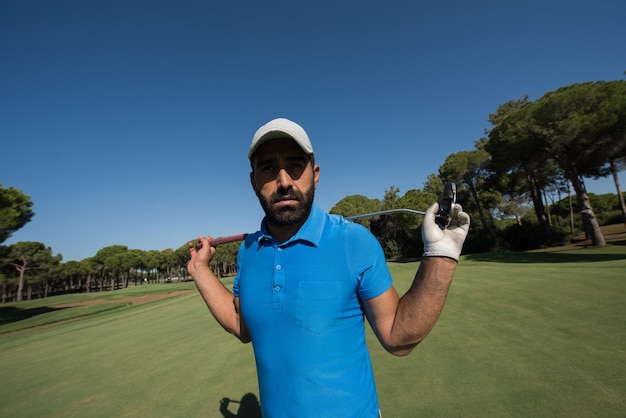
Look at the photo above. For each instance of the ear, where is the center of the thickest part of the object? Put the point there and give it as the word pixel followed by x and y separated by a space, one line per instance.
pixel 316 175
pixel 252 183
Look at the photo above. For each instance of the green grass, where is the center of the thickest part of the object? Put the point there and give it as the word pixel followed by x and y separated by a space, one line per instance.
pixel 536 334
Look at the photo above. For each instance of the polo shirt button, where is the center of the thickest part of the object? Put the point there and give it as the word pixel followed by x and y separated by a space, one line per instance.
pixel 276 288
pixel 280 249
pixel 278 267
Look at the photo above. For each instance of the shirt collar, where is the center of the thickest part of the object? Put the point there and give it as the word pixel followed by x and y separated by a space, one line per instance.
pixel 311 231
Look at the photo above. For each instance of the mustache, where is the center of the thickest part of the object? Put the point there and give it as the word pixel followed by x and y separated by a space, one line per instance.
pixel 283 194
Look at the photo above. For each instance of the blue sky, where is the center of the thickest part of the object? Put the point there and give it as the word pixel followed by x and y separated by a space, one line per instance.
pixel 128 122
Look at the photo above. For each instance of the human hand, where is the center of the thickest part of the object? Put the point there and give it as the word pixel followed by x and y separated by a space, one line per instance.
pixel 201 253
pixel 447 242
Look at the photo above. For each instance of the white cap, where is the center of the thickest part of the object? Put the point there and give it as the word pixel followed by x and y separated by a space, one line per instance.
pixel 281 128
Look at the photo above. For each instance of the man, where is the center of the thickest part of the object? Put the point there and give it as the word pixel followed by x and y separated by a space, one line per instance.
pixel 307 278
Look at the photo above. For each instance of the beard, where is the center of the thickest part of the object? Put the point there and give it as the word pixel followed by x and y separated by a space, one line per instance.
pixel 287 215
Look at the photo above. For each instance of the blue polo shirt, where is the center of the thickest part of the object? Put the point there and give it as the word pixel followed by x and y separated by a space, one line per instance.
pixel 300 302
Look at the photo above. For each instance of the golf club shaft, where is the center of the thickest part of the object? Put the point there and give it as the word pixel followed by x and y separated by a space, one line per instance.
pixel 240 237
pixel 385 212
pixel 442 218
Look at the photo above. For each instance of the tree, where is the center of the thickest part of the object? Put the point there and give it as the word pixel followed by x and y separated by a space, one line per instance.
pixel 181 255
pixel 409 238
pixel 468 167
pixel 133 263
pixel 616 152
pixel 225 260
pixel 416 200
pixel 26 256
pixel 107 262
pixel 385 228
pixel 15 211
pixel 613 168
pixel 121 264
pixel 504 110
pixel 434 185
pixel 355 205
pixel 73 273
pixel 154 261
pixel 518 159
pixel 580 125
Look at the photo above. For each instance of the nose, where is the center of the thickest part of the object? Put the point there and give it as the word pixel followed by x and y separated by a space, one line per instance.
pixel 283 178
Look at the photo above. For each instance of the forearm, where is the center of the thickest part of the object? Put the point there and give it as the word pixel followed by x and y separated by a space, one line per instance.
pixel 419 309
pixel 220 301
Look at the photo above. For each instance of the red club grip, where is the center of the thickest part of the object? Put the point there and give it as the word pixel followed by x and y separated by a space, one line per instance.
pixel 224 240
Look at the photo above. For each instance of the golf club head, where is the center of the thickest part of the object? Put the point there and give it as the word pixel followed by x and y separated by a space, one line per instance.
pixel 446 204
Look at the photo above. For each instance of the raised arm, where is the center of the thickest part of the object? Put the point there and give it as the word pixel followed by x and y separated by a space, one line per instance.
pixel 222 303
pixel 401 323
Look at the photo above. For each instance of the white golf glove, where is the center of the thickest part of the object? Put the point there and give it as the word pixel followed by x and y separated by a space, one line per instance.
pixel 449 241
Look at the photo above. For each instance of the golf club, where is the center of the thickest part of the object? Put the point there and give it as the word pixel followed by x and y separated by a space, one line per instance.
pixel 446 207
pixel 384 212
pixel 447 201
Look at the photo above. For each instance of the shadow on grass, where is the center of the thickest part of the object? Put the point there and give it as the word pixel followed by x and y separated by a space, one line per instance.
pixel 11 314
pixel 547 257
pixel 248 407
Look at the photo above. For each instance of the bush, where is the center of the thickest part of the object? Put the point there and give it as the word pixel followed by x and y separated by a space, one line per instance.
pixel 611 218
pixel 393 251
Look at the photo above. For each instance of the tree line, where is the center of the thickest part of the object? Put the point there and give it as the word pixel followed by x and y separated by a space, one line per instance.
pixel 516 184
pixel 30 270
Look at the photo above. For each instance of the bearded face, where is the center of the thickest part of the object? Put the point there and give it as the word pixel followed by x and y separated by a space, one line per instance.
pixel 279 214
pixel 284 178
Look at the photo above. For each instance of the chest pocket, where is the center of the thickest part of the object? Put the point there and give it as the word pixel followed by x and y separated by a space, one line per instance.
pixel 319 305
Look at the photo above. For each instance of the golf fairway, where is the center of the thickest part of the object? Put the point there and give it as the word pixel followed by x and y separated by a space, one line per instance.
pixel 526 334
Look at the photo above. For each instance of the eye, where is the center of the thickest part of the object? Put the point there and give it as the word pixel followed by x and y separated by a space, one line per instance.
pixel 296 169
pixel 267 168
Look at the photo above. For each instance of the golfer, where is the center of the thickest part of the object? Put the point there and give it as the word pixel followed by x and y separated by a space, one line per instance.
pixel 306 280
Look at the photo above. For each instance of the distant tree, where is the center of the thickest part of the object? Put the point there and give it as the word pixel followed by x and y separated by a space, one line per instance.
pixel 134 264
pixel 29 256
pixel 580 125
pixel 121 265
pixel 505 109
pixel 616 165
pixel 469 168
pixel 409 239
pixel 357 204
pixel 181 258
pixel 94 268
pixel 616 152
pixel 390 198
pixel 15 211
pixel 386 228
pixel 169 259
pixel 416 200
pixel 6 272
pixel 155 262
pixel 434 185
pixel 73 273
pixel 518 159
pixel 225 260
pixel 140 266
pixel 107 262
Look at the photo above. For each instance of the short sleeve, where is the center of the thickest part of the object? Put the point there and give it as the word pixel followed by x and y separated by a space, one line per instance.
pixel 369 263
